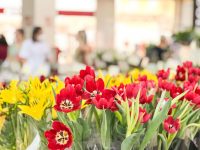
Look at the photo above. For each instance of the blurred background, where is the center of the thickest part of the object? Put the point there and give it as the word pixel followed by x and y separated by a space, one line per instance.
pixel 58 37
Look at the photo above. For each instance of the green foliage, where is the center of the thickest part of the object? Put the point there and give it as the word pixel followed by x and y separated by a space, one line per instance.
pixel 184 37
pixel 132 141
pixel 106 130
pixel 154 124
pixel 7 137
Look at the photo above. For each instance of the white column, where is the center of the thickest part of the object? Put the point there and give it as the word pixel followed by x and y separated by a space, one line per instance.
pixel 183 14
pixel 105 24
pixel 39 13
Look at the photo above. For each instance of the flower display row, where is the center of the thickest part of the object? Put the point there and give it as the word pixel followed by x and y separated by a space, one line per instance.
pixel 138 110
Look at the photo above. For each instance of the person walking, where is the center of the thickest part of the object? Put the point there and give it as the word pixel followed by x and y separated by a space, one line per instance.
pixel 35 55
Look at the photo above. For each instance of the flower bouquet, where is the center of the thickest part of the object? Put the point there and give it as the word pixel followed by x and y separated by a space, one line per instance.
pixel 138 114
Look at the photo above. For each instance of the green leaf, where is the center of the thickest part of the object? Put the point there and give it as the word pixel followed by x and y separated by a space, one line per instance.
pixel 154 124
pixel 120 129
pixel 121 109
pixel 86 129
pixel 159 104
pixel 193 125
pixel 62 117
pixel 89 114
pixel 54 92
pixel 164 141
pixel 105 130
pixel 180 112
pixel 129 142
pixel 78 131
pixel 118 116
pixel 108 82
pixel 77 146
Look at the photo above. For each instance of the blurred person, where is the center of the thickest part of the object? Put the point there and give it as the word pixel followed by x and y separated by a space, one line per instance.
pixel 3 48
pixel 14 49
pixel 35 54
pixel 83 49
pixel 162 47
pixel 158 53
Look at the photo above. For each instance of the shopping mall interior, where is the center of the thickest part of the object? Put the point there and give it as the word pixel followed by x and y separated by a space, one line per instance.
pixel 114 27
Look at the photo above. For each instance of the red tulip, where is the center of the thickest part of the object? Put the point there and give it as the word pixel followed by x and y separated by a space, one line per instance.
pixel 193 97
pixel 175 91
pixel 163 74
pixel 120 91
pixel 76 82
pixel 88 71
pixel 171 125
pixel 190 95
pixel 165 85
pixel 187 64
pixel 144 82
pixel 188 86
pixel 197 90
pixel 142 78
pixel 180 73
pixel 102 103
pixel 132 90
pixel 59 137
pixel 143 115
pixel 92 88
pixel 196 100
pixel 193 74
pixel 106 100
pixel 67 100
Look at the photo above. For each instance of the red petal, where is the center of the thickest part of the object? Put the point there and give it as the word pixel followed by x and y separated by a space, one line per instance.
pixel 57 107
pixel 58 125
pixel 90 84
pixel 50 134
pixel 70 92
pixel 100 84
pixel 172 130
pixel 146 118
